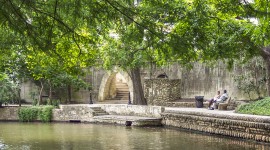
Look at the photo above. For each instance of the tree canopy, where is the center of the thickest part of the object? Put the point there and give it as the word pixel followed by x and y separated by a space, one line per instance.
pixel 76 34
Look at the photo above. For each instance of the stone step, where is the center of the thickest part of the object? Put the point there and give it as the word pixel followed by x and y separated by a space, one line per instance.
pixel 121 86
pixel 122 97
pixel 122 90
pixel 96 108
pixel 128 120
pixel 122 94
pixel 98 111
pixel 118 101
pixel 120 83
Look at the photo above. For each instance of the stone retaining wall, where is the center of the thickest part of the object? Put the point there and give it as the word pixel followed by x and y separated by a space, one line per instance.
pixel 132 110
pixel 242 127
pixel 216 122
pixel 73 112
pixel 9 113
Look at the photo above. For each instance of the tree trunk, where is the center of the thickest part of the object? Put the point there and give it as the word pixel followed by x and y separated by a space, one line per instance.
pixel 40 93
pixel 19 97
pixel 69 93
pixel 50 93
pixel 138 95
pixel 266 56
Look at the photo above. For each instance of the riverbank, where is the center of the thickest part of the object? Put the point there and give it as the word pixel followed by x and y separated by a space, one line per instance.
pixel 219 122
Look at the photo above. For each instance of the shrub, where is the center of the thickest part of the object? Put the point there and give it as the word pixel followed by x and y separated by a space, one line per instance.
pixel 29 114
pixel 260 107
pixel 56 103
pixel 45 113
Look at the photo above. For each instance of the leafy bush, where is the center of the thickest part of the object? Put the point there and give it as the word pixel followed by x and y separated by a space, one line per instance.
pixel 8 89
pixel 29 114
pixel 56 103
pixel 45 113
pixel 260 107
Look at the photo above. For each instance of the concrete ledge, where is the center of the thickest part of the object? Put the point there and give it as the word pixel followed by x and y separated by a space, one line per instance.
pixel 127 120
pixel 131 110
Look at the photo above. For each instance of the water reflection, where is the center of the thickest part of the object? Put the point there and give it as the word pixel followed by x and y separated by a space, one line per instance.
pixel 26 136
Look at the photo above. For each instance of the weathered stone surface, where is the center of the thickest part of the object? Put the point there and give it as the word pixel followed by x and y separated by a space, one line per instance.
pixel 9 113
pixel 133 120
pixel 161 91
pixel 132 110
pixel 219 122
pixel 73 112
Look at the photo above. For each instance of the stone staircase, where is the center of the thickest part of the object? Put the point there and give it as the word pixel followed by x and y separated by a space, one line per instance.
pixel 122 91
pixel 98 111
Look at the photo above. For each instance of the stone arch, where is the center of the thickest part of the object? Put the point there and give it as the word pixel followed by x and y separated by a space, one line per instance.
pixel 163 75
pixel 160 74
pixel 107 80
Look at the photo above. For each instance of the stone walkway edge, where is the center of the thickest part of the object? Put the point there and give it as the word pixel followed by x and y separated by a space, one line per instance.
pixel 227 114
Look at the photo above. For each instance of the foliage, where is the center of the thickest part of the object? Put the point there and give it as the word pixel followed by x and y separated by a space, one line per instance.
pixel 8 89
pixel 33 95
pixel 253 80
pixel 64 37
pixel 55 103
pixel 29 114
pixel 45 113
pixel 260 107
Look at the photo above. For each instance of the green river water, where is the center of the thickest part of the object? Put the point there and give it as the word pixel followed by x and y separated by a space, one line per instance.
pixel 68 136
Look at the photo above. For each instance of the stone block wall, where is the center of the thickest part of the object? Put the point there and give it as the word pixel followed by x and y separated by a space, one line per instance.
pixel 9 113
pixel 206 80
pixel 161 91
pixel 255 128
pixel 132 110
pixel 72 112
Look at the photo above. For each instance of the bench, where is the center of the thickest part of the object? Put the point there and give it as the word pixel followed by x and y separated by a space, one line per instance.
pixel 223 106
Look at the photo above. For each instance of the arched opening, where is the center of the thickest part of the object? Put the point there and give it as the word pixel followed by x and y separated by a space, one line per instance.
pixel 115 88
pixel 163 75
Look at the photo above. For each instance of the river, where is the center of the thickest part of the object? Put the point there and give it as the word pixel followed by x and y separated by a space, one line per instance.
pixel 71 136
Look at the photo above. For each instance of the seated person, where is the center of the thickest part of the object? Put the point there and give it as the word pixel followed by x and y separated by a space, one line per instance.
pixel 222 98
pixel 211 101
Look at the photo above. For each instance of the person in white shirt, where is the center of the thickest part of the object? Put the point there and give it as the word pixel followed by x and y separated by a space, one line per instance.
pixel 223 97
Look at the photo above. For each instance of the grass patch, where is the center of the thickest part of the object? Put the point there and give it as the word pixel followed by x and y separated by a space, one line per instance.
pixel 29 114
pixel 260 107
